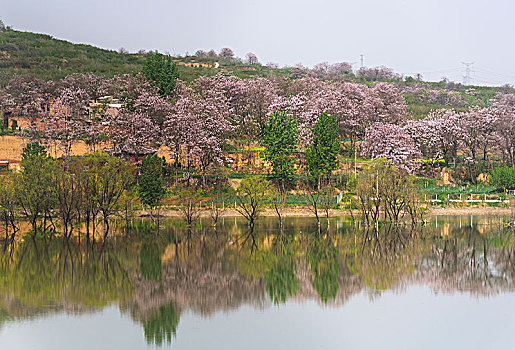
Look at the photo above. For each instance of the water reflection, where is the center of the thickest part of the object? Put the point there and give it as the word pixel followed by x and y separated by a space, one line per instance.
pixel 161 326
pixel 157 275
pixel 150 261
pixel 281 281
pixel 322 257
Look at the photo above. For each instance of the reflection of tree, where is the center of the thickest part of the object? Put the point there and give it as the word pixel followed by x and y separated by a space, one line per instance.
pixel 150 261
pixel 161 325
pixel 248 241
pixel 251 259
pixel 468 260
pixel 39 274
pixel 386 255
pixel 4 317
pixel 201 270
pixel 322 257
pixel 196 269
pixel 281 280
pixel 504 243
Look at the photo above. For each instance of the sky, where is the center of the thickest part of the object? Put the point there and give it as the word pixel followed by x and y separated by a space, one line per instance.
pixel 431 37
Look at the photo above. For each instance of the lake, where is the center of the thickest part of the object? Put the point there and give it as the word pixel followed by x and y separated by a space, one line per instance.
pixel 448 284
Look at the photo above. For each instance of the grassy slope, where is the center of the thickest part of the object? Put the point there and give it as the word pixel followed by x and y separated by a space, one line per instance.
pixel 49 58
pixel 46 57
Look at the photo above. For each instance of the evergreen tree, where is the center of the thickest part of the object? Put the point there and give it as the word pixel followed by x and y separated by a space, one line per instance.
pixel 33 150
pixel 279 136
pixel 151 189
pixel 321 157
pixel 161 72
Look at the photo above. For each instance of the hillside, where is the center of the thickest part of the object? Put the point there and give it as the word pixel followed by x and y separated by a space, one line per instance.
pixel 48 58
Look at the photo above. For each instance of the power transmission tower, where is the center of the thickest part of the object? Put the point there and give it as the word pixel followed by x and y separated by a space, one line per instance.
pixel 467 78
pixel 361 60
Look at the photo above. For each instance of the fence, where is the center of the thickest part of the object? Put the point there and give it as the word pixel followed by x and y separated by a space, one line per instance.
pixel 469 198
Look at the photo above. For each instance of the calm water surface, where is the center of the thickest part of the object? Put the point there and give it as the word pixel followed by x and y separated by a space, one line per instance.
pixel 446 285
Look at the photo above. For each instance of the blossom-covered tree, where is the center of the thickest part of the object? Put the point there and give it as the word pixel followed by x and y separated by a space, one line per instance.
pixel 377 73
pixel 67 120
pixel 437 135
pixel 197 126
pixel 476 131
pixel 260 94
pixel 140 120
pixel 340 68
pixel 134 126
pixel 226 54
pixel 27 96
pixel 389 141
pixel 94 86
pixel 504 108
pixel 251 58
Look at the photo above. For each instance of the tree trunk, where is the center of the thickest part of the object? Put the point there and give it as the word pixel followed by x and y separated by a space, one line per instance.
pixel 106 227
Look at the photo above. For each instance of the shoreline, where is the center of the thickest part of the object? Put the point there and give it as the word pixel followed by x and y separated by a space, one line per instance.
pixel 304 212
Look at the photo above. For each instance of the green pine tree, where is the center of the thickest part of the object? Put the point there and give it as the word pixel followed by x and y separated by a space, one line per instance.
pixel 280 136
pixel 322 155
pixel 161 72
pixel 151 185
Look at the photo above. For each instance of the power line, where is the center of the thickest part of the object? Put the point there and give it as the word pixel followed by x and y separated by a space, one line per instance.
pixel 487 80
pixel 443 71
pixel 439 71
pixel 502 75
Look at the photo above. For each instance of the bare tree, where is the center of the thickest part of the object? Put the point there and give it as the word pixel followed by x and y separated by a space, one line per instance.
pixel 8 208
pixel 278 198
pixel 190 208
pixel 68 194
pixel 313 197
pixel 252 193
pixel 215 210
pixel 384 188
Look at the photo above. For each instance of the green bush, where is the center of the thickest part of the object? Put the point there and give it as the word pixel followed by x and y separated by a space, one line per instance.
pixel 503 178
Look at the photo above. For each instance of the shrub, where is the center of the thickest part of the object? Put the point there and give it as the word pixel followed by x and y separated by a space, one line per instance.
pixel 503 178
